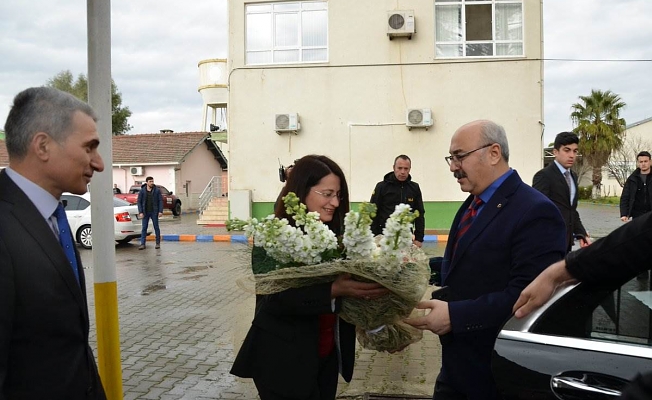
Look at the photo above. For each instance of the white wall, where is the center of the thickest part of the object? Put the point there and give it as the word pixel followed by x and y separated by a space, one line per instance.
pixel 372 80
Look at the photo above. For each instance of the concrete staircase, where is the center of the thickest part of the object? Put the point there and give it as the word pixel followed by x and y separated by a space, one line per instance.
pixel 216 213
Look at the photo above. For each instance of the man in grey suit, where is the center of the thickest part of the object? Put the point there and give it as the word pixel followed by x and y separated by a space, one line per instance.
pixel 52 143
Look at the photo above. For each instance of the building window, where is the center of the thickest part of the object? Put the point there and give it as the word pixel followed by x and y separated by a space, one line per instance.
pixel 475 28
pixel 288 32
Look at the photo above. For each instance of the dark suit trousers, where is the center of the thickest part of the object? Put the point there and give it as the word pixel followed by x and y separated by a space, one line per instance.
pixel 326 388
pixel 444 391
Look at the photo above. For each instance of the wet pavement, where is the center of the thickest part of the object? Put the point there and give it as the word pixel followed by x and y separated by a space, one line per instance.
pixel 185 308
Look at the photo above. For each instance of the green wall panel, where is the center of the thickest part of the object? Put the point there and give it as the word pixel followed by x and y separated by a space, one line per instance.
pixel 439 215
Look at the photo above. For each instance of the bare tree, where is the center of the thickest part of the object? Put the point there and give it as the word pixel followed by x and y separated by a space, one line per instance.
pixel 622 162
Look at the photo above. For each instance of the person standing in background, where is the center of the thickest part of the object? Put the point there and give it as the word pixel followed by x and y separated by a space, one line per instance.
pixel 150 206
pixel 559 183
pixel 398 187
pixel 636 198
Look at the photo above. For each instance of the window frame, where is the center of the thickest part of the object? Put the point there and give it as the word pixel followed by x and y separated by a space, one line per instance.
pixel 494 42
pixel 300 48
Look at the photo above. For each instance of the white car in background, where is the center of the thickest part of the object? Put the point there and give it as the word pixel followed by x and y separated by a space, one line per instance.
pixel 126 224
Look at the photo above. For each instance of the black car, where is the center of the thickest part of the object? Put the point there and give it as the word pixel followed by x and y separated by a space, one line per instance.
pixel 585 343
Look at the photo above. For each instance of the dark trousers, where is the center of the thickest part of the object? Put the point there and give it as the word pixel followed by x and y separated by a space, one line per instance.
pixel 444 391
pixel 326 385
pixel 154 217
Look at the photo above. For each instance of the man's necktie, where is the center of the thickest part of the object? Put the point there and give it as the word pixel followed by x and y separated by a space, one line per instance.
pixel 65 239
pixel 467 219
pixel 567 175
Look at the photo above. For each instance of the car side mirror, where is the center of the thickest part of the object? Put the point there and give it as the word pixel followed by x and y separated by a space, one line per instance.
pixel 171 193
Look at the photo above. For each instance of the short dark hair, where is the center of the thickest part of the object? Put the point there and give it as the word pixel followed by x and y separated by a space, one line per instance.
pixel 643 154
pixel 149 178
pixel 307 172
pixel 403 157
pixel 564 139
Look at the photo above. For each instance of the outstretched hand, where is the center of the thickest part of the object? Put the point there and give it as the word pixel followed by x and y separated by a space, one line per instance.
pixel 345 285
pixel 437 320
pixel 541 289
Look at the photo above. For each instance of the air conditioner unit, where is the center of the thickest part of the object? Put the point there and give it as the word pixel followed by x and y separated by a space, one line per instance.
pixel 418 118
pixel 287 123
pixel 136 171
pixel 400 23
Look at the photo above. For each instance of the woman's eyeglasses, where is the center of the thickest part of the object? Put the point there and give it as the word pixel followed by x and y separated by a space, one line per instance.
pixel 329 195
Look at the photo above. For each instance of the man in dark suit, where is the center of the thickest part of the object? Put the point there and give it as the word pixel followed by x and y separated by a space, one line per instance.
pixel 559 184
pixel 52 141
pixel 502 237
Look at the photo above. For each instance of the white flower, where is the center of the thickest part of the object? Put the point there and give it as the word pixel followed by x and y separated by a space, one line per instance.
pixel 308 241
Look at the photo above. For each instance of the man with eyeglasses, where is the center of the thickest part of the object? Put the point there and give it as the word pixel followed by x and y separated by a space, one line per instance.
pixel 504 234
pixel 398 187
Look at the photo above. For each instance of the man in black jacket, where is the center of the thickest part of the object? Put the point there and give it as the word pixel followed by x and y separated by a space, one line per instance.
pixel 636 198
pixel 559 184
pixel 616 258
pixel 398 187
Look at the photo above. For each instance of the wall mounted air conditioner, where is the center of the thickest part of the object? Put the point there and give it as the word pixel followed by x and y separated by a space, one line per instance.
pixel 136 171
pixel 287 123
pixel 418 118
pixel 400 23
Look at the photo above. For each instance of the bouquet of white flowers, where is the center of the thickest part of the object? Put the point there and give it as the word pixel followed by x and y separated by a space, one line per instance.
pixel 309 253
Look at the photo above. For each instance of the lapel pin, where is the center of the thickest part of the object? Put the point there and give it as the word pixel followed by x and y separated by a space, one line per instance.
pixel 499 205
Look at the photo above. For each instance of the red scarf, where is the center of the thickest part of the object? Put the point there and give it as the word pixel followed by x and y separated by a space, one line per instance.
pixel 326 334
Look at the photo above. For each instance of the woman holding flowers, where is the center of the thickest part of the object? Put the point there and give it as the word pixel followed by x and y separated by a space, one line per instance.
pixel 297 343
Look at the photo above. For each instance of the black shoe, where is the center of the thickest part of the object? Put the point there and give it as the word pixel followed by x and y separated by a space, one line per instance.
pixel 141 247
pixel 158 246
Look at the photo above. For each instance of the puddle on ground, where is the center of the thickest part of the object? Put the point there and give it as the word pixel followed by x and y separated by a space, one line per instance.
pixel 155 287
pixel 192 278
pixel 190 270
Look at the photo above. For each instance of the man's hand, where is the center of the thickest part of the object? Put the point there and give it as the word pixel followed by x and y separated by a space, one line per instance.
pixel 437 321
pixel 345 285
pixel 585 241
pixel 541 289
pixel 160 214
pixel 417 243
pixel 624 218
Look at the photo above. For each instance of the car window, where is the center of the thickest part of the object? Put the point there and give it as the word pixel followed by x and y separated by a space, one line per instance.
pixel 119 202
pixel 74 203
pixel 134 190
pixel 623 315
pixel 163 190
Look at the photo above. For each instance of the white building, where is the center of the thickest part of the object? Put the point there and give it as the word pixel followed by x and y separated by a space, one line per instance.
pixel 353 71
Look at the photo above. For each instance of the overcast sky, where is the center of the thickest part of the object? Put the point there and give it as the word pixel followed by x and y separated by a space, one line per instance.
pixel 157 44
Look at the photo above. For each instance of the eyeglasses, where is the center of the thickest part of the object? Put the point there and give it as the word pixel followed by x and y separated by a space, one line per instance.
pixel 330 195
pixel 458 158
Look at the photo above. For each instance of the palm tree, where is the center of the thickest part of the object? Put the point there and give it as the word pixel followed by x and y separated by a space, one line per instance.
pixel 601 130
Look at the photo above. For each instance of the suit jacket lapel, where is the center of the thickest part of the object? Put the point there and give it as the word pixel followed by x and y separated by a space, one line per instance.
pixel 489 211
pixel 29 217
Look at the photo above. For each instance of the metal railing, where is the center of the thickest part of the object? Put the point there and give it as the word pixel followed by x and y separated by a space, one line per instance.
pixel 212 189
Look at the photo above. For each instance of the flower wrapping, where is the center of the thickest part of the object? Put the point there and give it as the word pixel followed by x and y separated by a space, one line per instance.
pixel 309 254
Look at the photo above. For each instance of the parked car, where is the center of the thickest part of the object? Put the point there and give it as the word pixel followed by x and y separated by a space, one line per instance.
pixel 585 343
pixel 170 201
pixel 78 210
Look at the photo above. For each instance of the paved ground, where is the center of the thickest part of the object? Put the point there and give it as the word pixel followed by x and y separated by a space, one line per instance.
pixel 184 310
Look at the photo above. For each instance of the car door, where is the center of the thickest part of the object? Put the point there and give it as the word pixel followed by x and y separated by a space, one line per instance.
pixel 77 210
pixel 587 343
